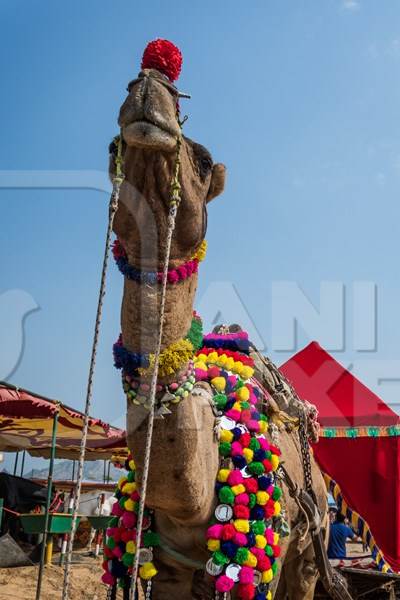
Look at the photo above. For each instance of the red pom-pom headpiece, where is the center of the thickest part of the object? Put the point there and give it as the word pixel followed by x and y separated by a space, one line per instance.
pixel 163 56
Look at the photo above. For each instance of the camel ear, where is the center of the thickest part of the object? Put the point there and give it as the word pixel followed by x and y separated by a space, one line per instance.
pixel 217 182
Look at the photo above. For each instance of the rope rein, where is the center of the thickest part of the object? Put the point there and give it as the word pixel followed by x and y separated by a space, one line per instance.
pixel 113 207
pixel 173 209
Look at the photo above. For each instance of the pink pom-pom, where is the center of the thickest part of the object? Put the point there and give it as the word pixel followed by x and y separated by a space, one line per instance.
pixel 117 510
pixel 215 532
pixel 173 276
pixel 235 477
pixel 264 445
pixel 269 534
pixel 224 584
pixel 234 414
pixel 253 425
pixel 108 579
pixel 200 374
pixel 240 539
pixel 129 519
pixel 110 531
pixel 117 552
pixel 236 449
pixel 242 499
pixel 246 575
pixel 135 496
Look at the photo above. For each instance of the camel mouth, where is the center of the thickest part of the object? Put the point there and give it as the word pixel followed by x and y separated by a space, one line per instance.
pixel 145 134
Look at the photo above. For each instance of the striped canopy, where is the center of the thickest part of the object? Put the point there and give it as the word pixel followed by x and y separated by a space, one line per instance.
pixel 26 423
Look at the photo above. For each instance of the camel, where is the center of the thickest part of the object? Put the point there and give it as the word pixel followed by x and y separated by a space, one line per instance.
pixel 184 455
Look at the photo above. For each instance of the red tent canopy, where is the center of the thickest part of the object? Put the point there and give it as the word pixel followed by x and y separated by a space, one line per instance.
pixel 358 448
pixel 26 422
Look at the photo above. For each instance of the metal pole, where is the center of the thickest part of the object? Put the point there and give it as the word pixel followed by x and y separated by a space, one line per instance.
pixel 23 462
pixel 108 471
pixel 73 470
pixel 16 463
pixel 48 501
pixel 104 471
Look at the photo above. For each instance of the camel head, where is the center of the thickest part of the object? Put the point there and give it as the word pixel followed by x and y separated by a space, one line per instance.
pixel 150 126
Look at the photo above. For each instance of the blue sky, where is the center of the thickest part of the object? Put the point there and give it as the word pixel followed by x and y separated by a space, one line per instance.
pixel 299 99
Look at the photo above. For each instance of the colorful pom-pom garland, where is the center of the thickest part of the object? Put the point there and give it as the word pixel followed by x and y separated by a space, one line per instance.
pixel 244 539
pixel 176 275
pixel 172 359
pixel 121 542
pixel 244 536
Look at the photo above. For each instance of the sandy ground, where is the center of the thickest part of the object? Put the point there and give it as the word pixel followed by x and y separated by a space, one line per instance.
pixel 20 583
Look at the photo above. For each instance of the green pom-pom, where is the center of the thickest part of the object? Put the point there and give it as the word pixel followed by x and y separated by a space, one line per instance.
pixel 254 444
pixel 245 405
pixel 252 500
pixel 151 538
pixel 220 401
pixel 277 493
pixel 239 384
pixel 131 476
pixel 121 582
pixel 226 495
pixel 274 567
pixel 268 455
pixel 127 559
pixel 242 555
pixel 122 501
pixel 258 527
pixel 256 468
pixel 268 550
pixel 225 448
pixel 263 417
pixel 111 543
pixel 219 558
pixel 114 522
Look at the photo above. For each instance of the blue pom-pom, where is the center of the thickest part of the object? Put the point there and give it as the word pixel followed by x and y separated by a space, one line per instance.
pixel 251 539
pixel 264 482
pixel 260 596
pixel 236 433
pixel 259 455
pixel 229 548
pixel 257 513
pixel 239 461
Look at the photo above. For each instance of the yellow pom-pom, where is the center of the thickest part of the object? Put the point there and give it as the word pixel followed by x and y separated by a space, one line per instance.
pixel 223 475
pixel 122 482
pixel 276 539
pixel 237 406
pixel 200 365
pixel 201 252
pixel 263 426
pixel 238 366
pixel 267 576
pixel 277 506
pixel 202 357
pixel 219 383
pixel 132 465
pixel 225 435
pixel 262 498
pixel 242 525
pixel 147 571
pixel 247 372
pixel 213 357
pixel 243 394
pixel 238 489
pixel 274 462
pixel 129 505
pixel 248 454
pixel 128 488
pixel 261 541
pixel 213 545
pixel 268 596
pixel 230 363
pixel 131 547
pixel 251 560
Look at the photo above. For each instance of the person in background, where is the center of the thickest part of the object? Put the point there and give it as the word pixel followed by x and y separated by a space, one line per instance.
pixel 339 533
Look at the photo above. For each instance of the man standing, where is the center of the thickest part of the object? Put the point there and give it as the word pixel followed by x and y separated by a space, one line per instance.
pixel 339 533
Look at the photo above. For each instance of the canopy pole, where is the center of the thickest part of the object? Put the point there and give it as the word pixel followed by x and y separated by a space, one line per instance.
pixel 16 463
pixel 48 501
pixel 23 463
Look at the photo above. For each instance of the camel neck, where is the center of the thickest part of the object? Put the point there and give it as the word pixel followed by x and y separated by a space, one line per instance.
pixel 141 309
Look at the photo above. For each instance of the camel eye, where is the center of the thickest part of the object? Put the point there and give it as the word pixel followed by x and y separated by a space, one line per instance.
pixel 205 164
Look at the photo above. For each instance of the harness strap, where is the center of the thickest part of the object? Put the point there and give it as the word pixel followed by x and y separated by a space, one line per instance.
pixel 181 558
